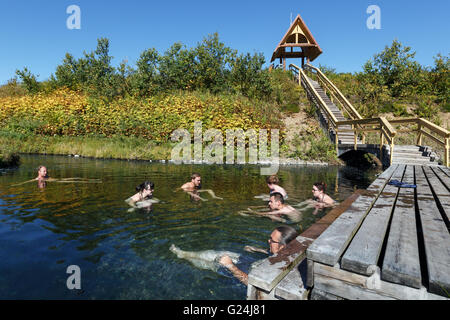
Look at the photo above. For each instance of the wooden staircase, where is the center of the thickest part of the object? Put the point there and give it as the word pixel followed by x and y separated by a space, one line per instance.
pixel 345 137
pixel 343 121
pixel 412 154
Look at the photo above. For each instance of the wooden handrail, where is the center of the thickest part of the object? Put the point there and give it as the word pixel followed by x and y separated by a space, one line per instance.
pixel 435 128
pixel 388 126
pixel 347 105
pixel 384 126
pixel 324 106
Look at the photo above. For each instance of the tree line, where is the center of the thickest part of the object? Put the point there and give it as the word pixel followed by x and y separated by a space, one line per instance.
pixel 210 66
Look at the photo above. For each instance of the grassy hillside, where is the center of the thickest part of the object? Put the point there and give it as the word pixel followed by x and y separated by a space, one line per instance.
pixel 91 108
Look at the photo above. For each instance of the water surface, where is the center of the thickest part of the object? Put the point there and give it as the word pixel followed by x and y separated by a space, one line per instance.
pixel 125 255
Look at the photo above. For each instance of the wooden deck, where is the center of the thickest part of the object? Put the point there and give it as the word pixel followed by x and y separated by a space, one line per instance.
pixel 391 243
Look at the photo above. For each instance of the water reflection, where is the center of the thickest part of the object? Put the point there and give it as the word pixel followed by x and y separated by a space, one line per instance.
pixel 125 255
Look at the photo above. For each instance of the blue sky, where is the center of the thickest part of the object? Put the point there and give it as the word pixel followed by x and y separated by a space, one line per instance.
pixel 34 33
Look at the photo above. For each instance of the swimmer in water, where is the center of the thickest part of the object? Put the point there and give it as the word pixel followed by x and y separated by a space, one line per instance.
pixel 43 178
pixel 274 185
pixel 278 209
pixel 279 239
pixel 273 182
pixel 320 198
pixel 193 188
pixel 144 196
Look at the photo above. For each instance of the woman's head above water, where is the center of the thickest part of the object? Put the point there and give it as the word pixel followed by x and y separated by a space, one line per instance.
pixel 146 188
pixel 42 172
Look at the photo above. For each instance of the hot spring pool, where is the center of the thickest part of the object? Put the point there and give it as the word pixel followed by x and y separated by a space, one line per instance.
pixel 125 255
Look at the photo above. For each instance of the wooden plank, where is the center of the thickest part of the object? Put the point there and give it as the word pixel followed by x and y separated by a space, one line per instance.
pixel 364 250
pixel 445 170
pixel 440 191
pixel 267 273
pixel 401 261
pixel 317 294
pixel 292 287
pixel 332 242
pixel 354 286
pixel 443 177
pixel 436 237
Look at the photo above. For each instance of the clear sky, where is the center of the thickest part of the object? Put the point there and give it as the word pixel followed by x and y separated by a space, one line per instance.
pixel 34 33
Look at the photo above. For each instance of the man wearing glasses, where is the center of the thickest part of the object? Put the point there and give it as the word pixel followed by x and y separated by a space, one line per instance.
pixel 279 238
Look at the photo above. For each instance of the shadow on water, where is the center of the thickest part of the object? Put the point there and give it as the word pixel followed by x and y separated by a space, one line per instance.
pixel 125 255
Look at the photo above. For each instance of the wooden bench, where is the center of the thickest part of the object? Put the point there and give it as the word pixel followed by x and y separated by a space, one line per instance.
pixel 391 243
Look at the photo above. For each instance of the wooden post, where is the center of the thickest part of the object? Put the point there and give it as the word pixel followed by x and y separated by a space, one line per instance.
pixel 355 137
pixel 419 135
pixel 284 64
pixel 392 151
pixel 381 145
pixel 303 61
pixel 336 140
pixel 447 150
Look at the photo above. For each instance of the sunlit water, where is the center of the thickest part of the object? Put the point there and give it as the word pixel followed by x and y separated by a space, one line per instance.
pixel 125 255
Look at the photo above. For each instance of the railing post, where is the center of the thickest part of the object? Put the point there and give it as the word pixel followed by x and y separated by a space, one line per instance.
pixel 447 150
pixel 336 140
pixel 355 138
pixel 381 145
pixel 419 135
pixel 392 150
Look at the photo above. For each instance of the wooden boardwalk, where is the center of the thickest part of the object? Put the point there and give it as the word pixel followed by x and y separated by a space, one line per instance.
pixel 391 243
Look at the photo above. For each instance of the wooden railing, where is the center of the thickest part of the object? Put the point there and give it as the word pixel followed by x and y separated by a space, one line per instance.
pixel 423 127
pixel 428 130
pixel 304 81
pixel 335 95
pixel 380 124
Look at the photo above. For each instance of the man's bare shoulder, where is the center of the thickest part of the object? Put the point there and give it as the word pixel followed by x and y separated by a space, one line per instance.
pixel 188 186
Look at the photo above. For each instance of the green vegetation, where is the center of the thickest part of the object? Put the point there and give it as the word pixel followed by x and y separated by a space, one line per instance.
pixel 8 158
pixel 314 145
pixel 92 108
pixel 394 83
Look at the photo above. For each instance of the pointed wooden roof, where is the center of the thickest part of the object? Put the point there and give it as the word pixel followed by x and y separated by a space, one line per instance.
pixel 298 35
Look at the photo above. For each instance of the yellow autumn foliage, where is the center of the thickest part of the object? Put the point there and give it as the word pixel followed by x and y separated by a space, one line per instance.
pixel 68 113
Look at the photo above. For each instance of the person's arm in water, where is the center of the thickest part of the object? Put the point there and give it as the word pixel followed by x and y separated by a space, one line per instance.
pixel 237 273
pixel 196 196
pixel 211 193
pixel 255 249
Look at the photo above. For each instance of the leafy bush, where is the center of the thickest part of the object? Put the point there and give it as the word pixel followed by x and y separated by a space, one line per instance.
pixel 70 113
pixel 314 145
pixel 9 159
pixel 29 80
pixel 394 68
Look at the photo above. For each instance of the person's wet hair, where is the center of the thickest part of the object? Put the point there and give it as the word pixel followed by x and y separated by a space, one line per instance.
pixel 195 175
pixel 145 185
pixel 278 196
pixel 321 186
pixel 273 179
pixel 287 234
